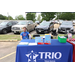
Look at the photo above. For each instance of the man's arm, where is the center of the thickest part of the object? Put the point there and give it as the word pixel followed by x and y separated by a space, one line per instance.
pixel 30 36
pixel 20 37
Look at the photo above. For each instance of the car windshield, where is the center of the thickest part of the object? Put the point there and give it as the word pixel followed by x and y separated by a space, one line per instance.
pixel 60 20
pixel 3 23
pixel 66 23
pixel 36 21
pixel 22 23
pixel 44 23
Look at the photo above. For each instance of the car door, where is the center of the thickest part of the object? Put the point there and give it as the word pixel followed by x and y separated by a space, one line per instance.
pixel 9 24
pixel 29 26
pixel 32 25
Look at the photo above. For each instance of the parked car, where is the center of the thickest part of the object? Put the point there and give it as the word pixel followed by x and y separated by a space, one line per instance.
pixel 44 27
pixel 6 26
pixel 38 22
pixel 66 26
pixel 55 21
pixel 19 27
pixel 60 21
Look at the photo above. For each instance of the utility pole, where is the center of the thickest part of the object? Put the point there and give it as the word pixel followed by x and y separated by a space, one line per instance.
pixel 8 15
pixel 25 15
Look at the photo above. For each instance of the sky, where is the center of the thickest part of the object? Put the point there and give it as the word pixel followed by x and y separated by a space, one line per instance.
pixel 13 14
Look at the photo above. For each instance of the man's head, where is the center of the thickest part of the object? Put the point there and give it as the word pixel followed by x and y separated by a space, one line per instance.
pixel 24 29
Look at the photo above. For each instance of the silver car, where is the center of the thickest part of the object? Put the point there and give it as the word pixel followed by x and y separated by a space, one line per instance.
pixel 19 27
pixel 66 26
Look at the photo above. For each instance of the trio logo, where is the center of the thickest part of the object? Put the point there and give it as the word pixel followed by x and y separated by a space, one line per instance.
pixel 43 55
pixel 32 56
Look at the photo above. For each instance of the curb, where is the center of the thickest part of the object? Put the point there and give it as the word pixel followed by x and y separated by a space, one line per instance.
pixel 8 40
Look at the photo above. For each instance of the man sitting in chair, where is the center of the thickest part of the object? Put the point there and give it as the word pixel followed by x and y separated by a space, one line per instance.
pixel 25 34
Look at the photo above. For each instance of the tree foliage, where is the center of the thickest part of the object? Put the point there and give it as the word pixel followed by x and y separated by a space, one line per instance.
pixel 9 18
pixel 31 16
pixel 19 17
pixel 2 17
pixel 47 15
pixel 66 15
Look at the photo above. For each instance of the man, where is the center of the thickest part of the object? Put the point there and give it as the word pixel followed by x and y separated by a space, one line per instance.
pixel 25 34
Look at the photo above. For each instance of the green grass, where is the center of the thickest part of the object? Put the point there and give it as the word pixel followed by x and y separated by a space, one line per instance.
pixel 9 37
pixel 17 37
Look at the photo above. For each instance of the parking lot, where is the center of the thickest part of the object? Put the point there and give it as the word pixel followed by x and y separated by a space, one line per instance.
pixel 8 49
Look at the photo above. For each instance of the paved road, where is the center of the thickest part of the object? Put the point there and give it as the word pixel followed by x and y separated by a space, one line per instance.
pixel 32 32
pixel 7 51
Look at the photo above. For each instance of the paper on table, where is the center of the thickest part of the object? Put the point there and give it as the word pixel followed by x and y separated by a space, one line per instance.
pixel 62 37
pixel 23 43
pixel 43 36
pixel 32 43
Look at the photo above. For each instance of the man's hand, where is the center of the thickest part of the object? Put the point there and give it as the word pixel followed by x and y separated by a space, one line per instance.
pixel 30 36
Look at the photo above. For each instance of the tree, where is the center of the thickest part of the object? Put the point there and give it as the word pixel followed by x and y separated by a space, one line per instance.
pixel 10 18
pixel 20 17
pixel 6 18
pixel 39 18
pixel 66 16
pixel 73 15
pixel 58 14
pixel 47 15
pixel 2 17
pixel 30 16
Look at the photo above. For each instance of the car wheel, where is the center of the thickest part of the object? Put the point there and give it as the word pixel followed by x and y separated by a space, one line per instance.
pixel 49 30
pixel 65 33
pixel 37 32
pixel 4 31
pixel 34 28
pixel 58 31
pixel 14 33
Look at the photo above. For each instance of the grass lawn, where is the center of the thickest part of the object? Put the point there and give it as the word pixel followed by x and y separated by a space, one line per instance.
pixel 9 37
pixel 17 37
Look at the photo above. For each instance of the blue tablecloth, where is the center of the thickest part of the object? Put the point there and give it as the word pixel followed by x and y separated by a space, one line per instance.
pixel 56 52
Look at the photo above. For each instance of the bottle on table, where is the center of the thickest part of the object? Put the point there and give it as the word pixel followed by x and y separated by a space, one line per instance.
pixel 69 36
